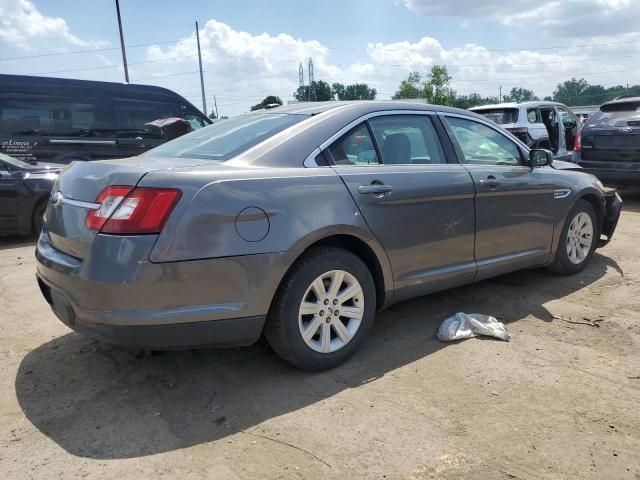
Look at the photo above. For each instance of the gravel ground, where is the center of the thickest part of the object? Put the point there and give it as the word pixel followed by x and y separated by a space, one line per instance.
pixel 560 400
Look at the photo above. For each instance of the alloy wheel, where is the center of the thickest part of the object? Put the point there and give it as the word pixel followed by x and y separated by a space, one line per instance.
pixel 331 311
pixel 579 238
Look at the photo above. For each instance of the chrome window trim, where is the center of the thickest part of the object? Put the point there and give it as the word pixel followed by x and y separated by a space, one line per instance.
pixel 80 204
pixel 310 161
pixel 82 142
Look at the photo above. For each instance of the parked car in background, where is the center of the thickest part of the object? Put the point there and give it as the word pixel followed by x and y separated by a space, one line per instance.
pixel 609 143
pixel 60 120
pixel 302 221
pixel 548 125
pixel 24 191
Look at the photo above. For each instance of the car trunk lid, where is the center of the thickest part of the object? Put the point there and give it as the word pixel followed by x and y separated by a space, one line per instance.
pixel 75 194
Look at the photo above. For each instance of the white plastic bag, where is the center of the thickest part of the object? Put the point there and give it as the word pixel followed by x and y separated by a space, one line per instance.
pixel 467 325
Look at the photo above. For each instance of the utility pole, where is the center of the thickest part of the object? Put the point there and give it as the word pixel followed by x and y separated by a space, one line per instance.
pixel 215 103
pixel 500 97
pixel 124 54
pixel 204 102
pixel 312 90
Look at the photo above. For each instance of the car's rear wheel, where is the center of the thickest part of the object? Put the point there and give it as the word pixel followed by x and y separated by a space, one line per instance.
pixel 577 240
pixel 323 309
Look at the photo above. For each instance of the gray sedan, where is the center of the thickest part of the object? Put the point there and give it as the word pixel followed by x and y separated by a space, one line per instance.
pixel 300 222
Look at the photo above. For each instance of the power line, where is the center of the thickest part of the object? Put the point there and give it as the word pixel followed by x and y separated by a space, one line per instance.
pixel 101 67
pixel 94 50
pixel 298 45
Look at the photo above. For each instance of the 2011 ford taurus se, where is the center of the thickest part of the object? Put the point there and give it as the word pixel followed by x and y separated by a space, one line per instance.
pixel 300 222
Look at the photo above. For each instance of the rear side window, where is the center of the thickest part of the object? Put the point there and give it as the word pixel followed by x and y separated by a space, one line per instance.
pixel 482 145
pixel 132 118
pixel 49 117
pixel 227 138
pixel 407 140
pixel 355 148
pixel 196 121
pixel 500 116
pixel 533 116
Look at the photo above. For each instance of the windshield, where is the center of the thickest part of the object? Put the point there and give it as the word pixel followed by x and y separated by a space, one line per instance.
pixel 14 162
pixel 500 115
pixel 227 138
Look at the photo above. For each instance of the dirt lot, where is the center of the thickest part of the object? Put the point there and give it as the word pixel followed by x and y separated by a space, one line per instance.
pixel 560 400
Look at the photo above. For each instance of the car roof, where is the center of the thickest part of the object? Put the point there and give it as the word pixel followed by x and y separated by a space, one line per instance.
pixel 533 103
pixel 361 106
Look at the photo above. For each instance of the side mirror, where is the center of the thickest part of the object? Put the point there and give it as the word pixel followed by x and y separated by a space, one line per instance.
pixel 540 157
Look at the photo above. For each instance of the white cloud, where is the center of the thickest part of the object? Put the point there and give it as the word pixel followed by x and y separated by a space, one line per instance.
pixel 241 68
pixel 559 17
pixel 21 23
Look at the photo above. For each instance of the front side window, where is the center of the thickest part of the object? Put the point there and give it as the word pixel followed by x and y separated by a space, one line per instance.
pixel 355 148
pixel 533 116
pixel 482 145
pixel 227 138
pixel 407 140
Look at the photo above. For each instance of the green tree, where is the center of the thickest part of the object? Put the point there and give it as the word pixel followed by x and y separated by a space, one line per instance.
pixel 436 89
pixel 570 91
pixel 519 94
pixel 410 88
pixel 356 91
pixel 472 100
pixel 320 91
pixel 269 100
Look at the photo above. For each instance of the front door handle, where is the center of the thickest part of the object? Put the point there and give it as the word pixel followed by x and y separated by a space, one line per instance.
pixel 375 189
pixel 490 182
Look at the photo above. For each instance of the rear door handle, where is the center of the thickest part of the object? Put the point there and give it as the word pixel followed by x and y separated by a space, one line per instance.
pixel 490 182
pixel 375 189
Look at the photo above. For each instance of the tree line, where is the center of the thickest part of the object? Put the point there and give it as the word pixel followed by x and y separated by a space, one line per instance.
pixel 435 88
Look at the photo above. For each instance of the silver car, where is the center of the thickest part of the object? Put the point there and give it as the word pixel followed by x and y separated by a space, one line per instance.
pixel 299 223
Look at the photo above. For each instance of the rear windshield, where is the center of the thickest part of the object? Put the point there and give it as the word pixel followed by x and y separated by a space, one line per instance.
pixel 500 115
pixel 227 138
pixel 621 107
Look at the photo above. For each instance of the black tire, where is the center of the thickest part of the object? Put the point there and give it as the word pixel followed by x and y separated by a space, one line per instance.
pixel 37 217
pixel 282 330
pixel 562 264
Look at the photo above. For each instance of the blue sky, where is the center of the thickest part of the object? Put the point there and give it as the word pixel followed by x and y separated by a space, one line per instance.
pixel 252 48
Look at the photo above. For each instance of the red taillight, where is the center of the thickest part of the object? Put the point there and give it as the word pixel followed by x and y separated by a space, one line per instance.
pixel 132 211
pixel 577 142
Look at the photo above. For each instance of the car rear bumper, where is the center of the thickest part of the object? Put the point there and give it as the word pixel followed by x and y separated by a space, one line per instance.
pixel 117 295
pixel 611 173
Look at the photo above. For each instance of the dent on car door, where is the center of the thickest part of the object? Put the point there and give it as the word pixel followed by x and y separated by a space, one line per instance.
pixel 514 203
pixel 418 206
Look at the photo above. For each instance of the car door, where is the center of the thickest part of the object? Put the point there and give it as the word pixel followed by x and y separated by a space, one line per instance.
pixel 134 135
pixel 8 200
pixel 417 203
pixel 514 203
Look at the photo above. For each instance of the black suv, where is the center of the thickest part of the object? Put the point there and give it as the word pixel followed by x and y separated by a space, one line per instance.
pixel 57 120
pixel 609 143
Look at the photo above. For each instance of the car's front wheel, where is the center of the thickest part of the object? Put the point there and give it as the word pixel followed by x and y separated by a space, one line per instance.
pixel 323 309
pixel 577 240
